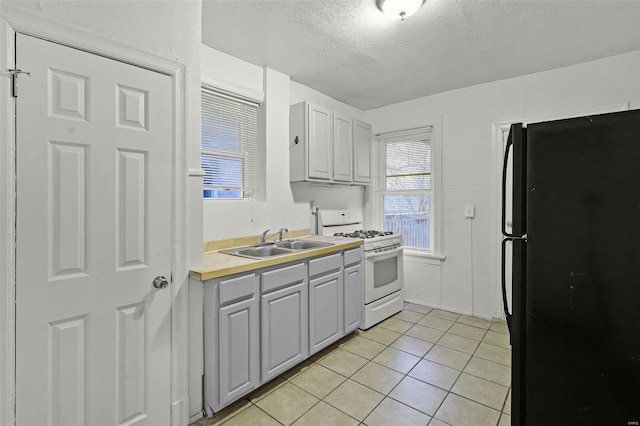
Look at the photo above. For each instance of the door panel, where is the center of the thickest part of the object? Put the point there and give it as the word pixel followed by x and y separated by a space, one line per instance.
pixel 93 230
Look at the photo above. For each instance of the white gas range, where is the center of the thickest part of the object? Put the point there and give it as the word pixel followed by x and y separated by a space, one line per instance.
pixel 383 272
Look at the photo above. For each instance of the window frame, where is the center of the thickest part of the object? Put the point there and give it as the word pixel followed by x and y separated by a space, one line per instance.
pixel 432 133
pixel 246 195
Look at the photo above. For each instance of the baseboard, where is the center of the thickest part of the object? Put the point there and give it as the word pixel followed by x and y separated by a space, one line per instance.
pixel 180 413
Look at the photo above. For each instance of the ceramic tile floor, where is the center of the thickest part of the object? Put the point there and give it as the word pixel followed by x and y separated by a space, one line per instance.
pixel 423 366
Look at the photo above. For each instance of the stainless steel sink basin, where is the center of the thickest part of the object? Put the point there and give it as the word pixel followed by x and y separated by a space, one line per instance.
pixel 259 252
pixel 301 245
pixel 278 248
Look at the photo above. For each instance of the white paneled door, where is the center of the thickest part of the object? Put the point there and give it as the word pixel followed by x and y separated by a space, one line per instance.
pixel 94 139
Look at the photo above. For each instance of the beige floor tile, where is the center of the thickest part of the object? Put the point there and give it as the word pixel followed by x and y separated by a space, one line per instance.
pixel 421 309
pixel 297 370
pixel 499 327
pixel 494 353
pixel 436 322
pixel 319 381
pixel 419 395
pixel 354 399
pixel 226 413
pixel 497 339
pixel 412 345
pixel 377 377
pixel 458 411
pixel 436 374
pixel 391 412
pixel 396 324
pixel 445 314
pixel 266 389
pixel 449 357
pixel 287 403
pixel 481 390
pixel 489 370
pixel 252 416
pixel 364 347
pixel 436 422
pixel 382 335
pixel 324 414
pixel 409 316
pixel 468 331
pixel 505 420
pixel 343 362
pixel 396 360
pixel 507 404
pixel 476 322
pixel 424 333
pixel 459 343
pixel 329 349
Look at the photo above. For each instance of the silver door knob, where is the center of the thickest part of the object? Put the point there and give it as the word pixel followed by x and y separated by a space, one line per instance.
pixel 160 282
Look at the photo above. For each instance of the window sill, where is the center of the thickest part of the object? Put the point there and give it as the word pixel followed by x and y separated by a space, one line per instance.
pixel 436 259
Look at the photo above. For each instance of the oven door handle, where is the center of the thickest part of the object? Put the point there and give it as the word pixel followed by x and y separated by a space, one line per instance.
pixel 386 254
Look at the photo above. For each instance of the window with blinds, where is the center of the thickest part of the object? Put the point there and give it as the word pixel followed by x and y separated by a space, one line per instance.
pixel 406 184
pixel 229 146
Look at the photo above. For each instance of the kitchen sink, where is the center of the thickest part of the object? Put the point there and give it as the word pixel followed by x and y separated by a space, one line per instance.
pixel 279 248
pixel 301 245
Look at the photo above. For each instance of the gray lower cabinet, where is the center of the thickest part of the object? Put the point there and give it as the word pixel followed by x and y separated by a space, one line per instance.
pixel 353 288
pixel 238 337
pixel 283 319
pixel 231 339
pixel 325 301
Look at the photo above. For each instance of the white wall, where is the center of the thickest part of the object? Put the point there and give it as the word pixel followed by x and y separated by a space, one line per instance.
pixel 469 166
pixel 279 202
pixel 171 30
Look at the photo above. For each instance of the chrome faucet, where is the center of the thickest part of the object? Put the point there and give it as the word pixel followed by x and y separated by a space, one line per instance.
pixel 264 237
pixel 281 231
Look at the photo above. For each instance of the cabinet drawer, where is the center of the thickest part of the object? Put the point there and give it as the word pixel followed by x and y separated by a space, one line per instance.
pixel 352 256
pixel 237 288
pixel 282 277
pixel 325 264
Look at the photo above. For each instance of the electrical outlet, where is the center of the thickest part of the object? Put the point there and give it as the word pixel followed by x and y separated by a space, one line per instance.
pixel 469 211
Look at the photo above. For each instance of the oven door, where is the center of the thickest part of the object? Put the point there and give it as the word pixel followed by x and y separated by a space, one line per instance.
pixel 383 274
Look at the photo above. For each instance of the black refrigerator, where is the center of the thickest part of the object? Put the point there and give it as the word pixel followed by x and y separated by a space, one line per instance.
pixel 574 320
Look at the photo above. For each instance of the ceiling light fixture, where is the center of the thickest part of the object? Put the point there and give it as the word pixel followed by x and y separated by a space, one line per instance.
pixel 399 8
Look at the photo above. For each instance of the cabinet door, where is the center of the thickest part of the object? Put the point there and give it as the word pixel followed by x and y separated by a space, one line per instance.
pixel 325 311
pixel 352 297
pixel 320 143
pixel 342 149
pixel 238 349
pixel 362 153
pixel 284 325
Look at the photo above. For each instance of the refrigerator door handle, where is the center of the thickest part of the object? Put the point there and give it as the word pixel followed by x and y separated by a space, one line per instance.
pixel 505 304
pixel 504 189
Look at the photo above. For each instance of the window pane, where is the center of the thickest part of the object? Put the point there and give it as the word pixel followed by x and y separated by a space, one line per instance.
pixel 408 165
pixel 222 172
pixel 410 216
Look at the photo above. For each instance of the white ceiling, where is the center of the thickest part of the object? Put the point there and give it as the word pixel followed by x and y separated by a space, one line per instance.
pixel 352 52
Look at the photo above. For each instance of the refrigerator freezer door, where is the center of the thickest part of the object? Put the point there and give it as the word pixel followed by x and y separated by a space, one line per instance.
pixel 581 348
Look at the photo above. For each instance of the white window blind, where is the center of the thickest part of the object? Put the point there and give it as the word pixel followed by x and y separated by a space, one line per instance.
pixel 406 184
pixel 229 145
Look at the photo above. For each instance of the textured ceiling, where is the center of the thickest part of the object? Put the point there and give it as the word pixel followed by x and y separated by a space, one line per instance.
pixel 352 52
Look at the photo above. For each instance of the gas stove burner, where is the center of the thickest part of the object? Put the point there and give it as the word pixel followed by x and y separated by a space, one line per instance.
pixel 362 234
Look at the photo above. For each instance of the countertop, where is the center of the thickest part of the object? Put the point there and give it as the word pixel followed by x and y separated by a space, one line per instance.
pixel 215 264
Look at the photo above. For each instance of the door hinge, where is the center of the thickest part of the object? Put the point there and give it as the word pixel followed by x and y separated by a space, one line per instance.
pixel 13 73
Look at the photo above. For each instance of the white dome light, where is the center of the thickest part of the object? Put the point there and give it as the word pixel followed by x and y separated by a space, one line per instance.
pixel 400 8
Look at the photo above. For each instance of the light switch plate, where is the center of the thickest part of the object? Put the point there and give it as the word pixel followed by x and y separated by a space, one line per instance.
pixel 469 211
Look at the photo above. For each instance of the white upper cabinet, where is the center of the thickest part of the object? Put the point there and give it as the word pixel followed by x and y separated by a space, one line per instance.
pixel 362 152
pixel 342 148
pixel 322 146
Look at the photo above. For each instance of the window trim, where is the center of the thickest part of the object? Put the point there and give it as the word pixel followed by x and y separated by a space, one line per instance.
pixel 433 132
